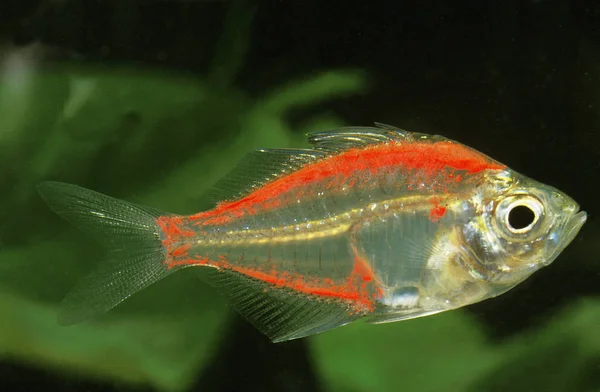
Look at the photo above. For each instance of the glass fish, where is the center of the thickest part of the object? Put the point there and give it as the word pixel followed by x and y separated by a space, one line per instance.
pixel 371 223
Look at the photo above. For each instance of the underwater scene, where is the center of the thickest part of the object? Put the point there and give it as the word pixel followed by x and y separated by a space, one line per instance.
pixel 300 195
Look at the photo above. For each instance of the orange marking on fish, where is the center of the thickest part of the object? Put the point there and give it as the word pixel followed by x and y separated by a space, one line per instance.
pixel 299 284
pixel 355 293
pixel 174 232
pixel 362 274
pixel 437 211
pixel 362 269
pixel 172 226
pixel 203 260
pixel 430 158
pixel 455 178
pixel 181 251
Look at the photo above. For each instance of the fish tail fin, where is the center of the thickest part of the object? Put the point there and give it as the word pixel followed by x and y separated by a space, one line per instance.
pixel 129 232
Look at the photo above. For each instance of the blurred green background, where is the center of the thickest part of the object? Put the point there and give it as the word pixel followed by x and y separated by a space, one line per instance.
pixel 153 101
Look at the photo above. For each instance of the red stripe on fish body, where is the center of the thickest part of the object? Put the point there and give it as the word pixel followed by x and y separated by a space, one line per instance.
pixel 293 232
pixel 421 166
pixel 321 266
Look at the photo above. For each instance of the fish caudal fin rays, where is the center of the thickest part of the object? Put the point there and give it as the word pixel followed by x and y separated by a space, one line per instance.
pixel 279 313
pixel 129 232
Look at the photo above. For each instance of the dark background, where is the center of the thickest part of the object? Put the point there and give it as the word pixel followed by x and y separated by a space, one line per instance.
pixel 517 79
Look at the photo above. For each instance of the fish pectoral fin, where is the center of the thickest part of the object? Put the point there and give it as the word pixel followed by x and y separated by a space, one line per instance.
pixel 280 313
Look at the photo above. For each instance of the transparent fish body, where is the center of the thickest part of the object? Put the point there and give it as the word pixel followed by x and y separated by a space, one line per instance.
pixel 372 223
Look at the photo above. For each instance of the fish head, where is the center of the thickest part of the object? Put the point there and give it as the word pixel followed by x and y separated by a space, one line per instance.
pixel 520 225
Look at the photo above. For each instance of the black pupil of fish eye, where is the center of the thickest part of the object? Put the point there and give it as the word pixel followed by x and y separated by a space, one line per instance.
pixel 519 217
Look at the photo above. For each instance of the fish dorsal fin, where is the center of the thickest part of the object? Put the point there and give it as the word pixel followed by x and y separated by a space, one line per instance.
pixel 279 313
pixel 260 167
pixel 265 165
pixel 360 137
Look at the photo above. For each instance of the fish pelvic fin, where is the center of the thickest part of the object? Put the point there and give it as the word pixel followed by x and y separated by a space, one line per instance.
pixel 136 256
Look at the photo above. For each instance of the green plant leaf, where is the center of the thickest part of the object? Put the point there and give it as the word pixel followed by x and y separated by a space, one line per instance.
pixel 156 351
pixel 443 352
pixel 449 352
pixel 233 45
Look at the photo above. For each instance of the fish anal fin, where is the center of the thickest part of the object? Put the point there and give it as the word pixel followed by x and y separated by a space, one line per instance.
pixel 402 316
pixel 280 313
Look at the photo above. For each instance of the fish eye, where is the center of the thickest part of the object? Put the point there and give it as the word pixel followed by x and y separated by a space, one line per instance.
pixel 519 215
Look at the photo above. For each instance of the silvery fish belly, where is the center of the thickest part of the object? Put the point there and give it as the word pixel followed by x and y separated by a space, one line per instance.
pixel 370 223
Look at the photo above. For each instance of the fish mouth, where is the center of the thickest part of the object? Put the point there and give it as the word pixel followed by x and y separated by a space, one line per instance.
pixel 571 228
pixel 574 225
